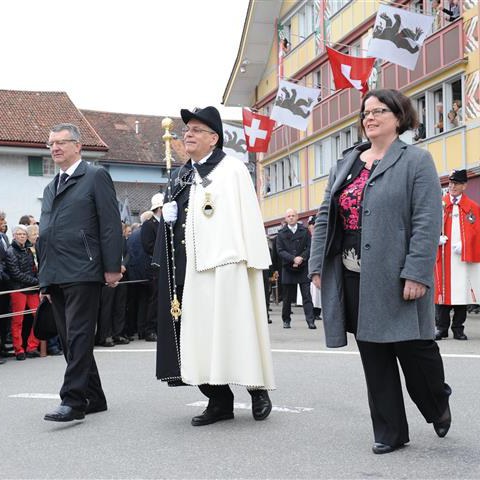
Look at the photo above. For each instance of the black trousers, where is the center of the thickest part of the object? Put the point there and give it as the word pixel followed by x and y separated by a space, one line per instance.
pixel 290 295
pixel 113 312
pixel 443 318
pixel 219 396
pixel 4 322
pixel 136 308
pixel 150 320
pixel 75 307
pixel 422 368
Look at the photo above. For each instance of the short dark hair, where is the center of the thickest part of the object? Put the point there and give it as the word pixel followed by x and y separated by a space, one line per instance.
pixel 24 220
pixel 400 105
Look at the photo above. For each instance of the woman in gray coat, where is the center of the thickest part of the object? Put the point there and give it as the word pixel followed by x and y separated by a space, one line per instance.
pixel 373 251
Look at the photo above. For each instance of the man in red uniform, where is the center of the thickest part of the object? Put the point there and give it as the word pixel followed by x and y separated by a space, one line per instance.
pixel 457 269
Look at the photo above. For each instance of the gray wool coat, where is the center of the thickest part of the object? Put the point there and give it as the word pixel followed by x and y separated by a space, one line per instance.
pixel 401 224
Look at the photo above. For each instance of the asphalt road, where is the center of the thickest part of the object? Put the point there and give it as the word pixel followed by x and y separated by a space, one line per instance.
pixel 320 426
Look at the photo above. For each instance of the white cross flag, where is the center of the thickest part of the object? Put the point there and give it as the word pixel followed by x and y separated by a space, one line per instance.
pixel 234 141
pixel 398 35
pixel 294 104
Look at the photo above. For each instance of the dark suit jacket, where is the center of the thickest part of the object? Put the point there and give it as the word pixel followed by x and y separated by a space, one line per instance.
pixel 3 267
pixel 80 229
pixel 289 246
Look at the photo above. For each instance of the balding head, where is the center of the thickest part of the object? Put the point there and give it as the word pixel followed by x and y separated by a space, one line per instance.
pixel 291 216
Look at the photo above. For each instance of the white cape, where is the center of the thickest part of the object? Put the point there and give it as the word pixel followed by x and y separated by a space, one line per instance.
pixel 224 334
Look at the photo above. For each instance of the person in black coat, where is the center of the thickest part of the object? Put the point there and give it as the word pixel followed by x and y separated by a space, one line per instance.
pixel 149 235
pixel 4 299
pixel 137 303
pixel 293 247
pixel 80 248
pixel 22 272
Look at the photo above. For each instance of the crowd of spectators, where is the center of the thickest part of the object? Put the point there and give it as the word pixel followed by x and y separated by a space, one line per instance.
pixel 124 311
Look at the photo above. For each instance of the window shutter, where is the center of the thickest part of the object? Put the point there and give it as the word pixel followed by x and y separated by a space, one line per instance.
pixel 35 166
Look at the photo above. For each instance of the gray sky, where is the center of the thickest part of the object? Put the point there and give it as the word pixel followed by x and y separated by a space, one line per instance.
pixel 148 57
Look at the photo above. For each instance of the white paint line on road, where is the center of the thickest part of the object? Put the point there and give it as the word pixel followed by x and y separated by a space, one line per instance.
pixel 49 396
pixel 277 350
pixel 248 406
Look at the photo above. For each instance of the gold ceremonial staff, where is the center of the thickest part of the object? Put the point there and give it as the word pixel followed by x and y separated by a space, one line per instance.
pixel 167 124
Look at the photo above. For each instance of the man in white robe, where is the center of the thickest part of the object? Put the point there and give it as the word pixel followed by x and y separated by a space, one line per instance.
pixel 224 336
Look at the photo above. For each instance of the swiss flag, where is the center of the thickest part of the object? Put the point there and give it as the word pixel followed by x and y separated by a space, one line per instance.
pixel 350 72
pixel 258 130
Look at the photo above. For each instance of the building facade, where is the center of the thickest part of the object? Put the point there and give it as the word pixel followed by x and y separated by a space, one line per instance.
pixel 293 173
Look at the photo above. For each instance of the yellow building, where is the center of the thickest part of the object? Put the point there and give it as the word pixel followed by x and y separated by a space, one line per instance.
pixel 293 173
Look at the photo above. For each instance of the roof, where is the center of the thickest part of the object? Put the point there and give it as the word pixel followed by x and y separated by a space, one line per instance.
pixel 255 45
pixel 28 116
pixel 125 145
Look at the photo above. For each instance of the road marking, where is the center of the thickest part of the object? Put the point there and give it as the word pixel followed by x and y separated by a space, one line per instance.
pixel 277 350
pixel 49 396
pixel 248 406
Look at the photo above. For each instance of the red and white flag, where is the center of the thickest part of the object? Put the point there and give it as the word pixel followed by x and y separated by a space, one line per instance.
pixel 258 130
pixel 350 72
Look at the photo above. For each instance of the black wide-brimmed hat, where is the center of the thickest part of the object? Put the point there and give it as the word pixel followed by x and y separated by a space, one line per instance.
pixel 44 323
pixel 459 176
pixel 209 116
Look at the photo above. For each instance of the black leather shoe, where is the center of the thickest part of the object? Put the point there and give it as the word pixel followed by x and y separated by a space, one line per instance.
pixel 439 335
pixel 33 354
pixel 151 337
pixel 380 448
pixel 108 342
pixel 95 407
pixel 286 325
pixel 460 336
pixel 2 361
pixel 312 326
pixel 55 352
pixel 20 356
pixel 211 415
pixel 261 404
pixel 443 425
pixel 121 340
pixel 64 413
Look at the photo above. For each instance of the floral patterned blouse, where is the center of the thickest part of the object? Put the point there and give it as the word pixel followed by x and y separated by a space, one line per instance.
pixel 350 201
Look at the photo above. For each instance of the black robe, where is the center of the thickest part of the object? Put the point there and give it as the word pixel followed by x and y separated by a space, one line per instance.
pixel 168 338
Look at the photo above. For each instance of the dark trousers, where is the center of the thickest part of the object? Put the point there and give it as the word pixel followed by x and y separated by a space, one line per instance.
pixel 290 295
pixel 113 312
pixel 442 318
pixel 422 368
pixel 136 308
pixel 4 322
pixel 150 325
pixel 220 396
pixel 75 307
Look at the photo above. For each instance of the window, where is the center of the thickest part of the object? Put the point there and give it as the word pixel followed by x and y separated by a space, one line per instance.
pixel 440 109
pixel 333 6
pixel 35 166
pixel 41 167
pixel 323 157
pixel 48 166
pixel 282 174
pixel 420 132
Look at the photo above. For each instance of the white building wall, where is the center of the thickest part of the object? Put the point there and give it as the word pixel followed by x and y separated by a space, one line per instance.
pixel 20 194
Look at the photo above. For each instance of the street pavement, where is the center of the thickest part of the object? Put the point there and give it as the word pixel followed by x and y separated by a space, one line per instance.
pixel 320 426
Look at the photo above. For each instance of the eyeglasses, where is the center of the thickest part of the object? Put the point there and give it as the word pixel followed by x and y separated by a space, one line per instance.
pixel 59 143
pixel 196 130
pixel 376 112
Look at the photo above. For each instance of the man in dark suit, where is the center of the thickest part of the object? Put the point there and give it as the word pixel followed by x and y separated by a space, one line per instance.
pixel 149 236
pixel 293 247
pixel 80 247
pixel 4 299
